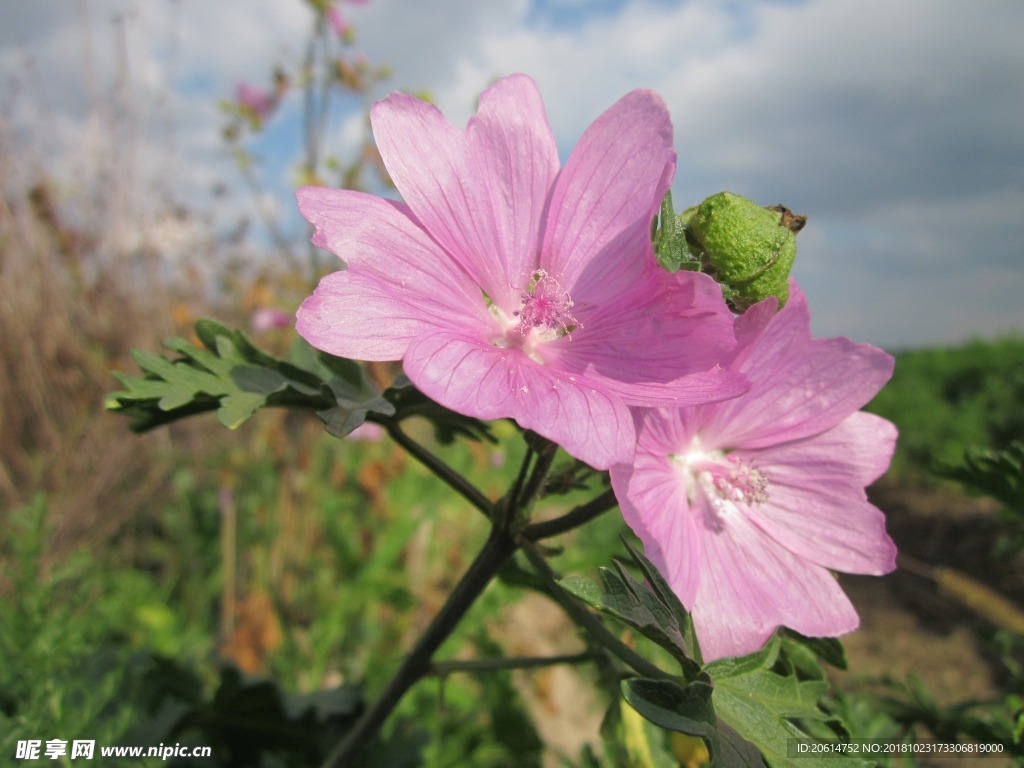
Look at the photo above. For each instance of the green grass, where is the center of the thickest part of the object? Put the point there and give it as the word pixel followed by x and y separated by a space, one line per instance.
pixel 945 400
pixel 355 545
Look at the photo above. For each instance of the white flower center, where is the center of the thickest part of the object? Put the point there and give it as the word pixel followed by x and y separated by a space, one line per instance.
pixel 724 478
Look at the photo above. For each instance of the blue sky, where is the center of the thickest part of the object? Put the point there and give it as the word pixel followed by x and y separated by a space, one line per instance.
pixel 897 127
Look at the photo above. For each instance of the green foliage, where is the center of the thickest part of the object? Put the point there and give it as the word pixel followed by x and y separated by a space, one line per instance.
pixel 946 400
pixel 742 711
pixel 66 654
pixel 229 375
pixel 999 474
pixel 246 722
pixel 762 700
pixel 653 610
pixel 762 705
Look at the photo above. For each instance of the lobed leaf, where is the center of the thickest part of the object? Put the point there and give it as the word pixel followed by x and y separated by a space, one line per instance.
pixel 230 375
pixel 760 705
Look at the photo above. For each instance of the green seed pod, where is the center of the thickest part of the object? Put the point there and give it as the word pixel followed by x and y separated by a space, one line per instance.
pixel 747 248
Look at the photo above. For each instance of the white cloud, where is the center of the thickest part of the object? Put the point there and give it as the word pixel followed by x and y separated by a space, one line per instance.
pixel 895 126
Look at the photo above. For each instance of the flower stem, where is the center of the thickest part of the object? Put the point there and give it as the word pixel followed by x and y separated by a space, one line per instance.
pixel 501 545
pixel 584 513
pixel 442 668
pixel 526 493
pixel 457 482
pixel 496 551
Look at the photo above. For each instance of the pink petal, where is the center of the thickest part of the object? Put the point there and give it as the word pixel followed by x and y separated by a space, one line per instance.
pixel 398 283
pixel 800 386
pixel 654 502
pixel 599 238
pixel 749 585
pixel 659 344
pixel 339 24
pixel 480 193
pixel 477 379
pixel 816 503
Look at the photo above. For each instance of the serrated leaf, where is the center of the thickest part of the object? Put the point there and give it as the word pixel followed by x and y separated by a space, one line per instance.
pixel 668 597
pixel 805 654
pixel 622 596
pixel 229 375
pixel 759 705
pixel 448 425
pixel 999 474
pixel 676 707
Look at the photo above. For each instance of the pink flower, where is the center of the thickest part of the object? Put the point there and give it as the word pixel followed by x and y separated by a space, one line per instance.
pixel 512 288
pixel 746 505
pixel 337 21
pixel 255 101
pixel 269 319
pixel 368 431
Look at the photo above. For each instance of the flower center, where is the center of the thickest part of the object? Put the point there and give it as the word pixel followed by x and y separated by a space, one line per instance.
pixel 544 314
pixel 724 478
pixel 546 307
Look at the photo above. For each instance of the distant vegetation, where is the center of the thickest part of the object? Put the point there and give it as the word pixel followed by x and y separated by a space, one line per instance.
pixel 948 399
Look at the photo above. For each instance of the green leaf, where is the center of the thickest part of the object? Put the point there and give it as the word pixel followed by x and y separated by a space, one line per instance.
pixel 999 474
pixel 670 246
pixel 625 598
pixel 668 598
pixel 803 655
pixel 229 375
pixel 448 425
pixel 760 704
pixel 676 707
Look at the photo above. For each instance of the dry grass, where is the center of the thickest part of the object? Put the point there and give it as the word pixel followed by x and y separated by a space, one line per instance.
pixel 66 321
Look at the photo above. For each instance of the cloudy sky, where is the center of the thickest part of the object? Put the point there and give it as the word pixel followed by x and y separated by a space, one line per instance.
pixel 897 126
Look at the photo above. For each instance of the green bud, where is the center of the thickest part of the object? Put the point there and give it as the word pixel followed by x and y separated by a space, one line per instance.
pixel 747 248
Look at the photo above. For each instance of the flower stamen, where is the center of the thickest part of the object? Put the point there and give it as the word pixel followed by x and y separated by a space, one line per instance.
pixel 546 307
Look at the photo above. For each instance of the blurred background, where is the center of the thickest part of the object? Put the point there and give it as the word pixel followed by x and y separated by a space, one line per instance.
pixel 148 154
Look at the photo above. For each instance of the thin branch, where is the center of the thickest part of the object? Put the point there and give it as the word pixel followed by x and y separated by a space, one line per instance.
pixel 542 466
pixel 461 485
pixel 584 513
pixel 442 668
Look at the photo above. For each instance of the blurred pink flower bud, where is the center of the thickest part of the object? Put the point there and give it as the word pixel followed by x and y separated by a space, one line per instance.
pixel 367 431
pixel 269 319
pixel 337 21
pixel 258 102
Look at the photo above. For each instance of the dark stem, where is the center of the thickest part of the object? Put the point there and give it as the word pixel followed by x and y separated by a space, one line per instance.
pixel 579 613
pixel 442 668
pixel 454 480
pixel 499 548
pixel 545 451
pixel 507 508
pixel 584 513
pixel 505 515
